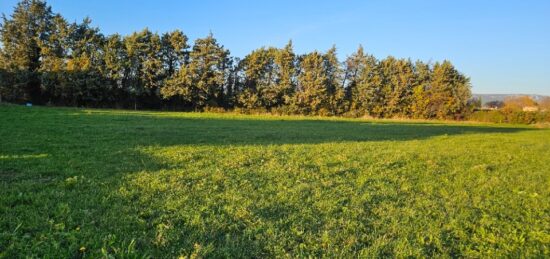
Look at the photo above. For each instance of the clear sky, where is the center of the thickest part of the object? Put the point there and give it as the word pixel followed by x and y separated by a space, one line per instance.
pixel 504 46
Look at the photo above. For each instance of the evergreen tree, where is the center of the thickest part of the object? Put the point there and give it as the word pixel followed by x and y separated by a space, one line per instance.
pixel 364 89
pixel 449 92
pixel 354 65
pixel 23 36
pixel 269 77
pixel 202 82
pixel 285 70
pixel 85 65
pixel 312 95
pixel 116 69
pixel 258 73
pixel 53 67
pixel 144 75
pixel 420 99
pixel 45 59
pixel 397 87
pixel 174 51
pixel 335 77
pixel 7 90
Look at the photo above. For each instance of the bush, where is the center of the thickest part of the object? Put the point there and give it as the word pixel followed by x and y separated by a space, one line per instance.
pixel 283 110
pixel 242 110
pixel 214 109
pixel 510 116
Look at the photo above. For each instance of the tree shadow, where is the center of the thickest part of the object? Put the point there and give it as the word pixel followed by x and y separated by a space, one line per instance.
pixel 164 130
pixel 94 165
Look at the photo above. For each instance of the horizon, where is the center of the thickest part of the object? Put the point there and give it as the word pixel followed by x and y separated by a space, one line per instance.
pixel 502 48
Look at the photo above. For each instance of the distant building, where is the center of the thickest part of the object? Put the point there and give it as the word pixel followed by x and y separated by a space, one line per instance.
pixel 530 108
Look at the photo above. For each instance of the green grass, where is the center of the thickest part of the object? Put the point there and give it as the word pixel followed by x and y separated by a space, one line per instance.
pixel 129 184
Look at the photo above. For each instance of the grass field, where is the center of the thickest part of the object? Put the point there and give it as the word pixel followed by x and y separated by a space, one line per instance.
pixel 90 183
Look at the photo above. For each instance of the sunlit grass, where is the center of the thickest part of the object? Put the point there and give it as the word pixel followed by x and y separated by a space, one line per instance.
pixel 105 182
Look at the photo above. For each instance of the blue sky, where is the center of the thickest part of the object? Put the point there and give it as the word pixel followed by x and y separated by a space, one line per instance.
pixel 504 46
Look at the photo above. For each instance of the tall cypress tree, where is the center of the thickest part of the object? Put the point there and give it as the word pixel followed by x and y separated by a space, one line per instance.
pixel 174 52
pixel 53 68
pixel 85 65
pixel 399 78
pixel 335 91
pixel 354 65
pixel 285 62
pixel 116 69
pixel 203 81
pixel 23 35
pixel 420 98
pixel 43 58
pixel 144 75
pixel 365 79
pixel 312 95
pixel 258 72
pixel 449 92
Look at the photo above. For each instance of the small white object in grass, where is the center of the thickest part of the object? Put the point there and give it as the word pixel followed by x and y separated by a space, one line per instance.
pixel 29 104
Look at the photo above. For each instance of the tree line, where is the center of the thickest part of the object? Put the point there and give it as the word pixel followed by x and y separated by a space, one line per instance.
pixel 46 60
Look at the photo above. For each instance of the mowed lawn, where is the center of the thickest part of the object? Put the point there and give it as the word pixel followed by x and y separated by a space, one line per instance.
pixel 89 183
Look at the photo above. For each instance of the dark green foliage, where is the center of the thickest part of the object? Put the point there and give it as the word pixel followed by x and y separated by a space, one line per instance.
pixel 24 36
pixel 44 59
pixel 312 93
pixel 201 82
pixel 174 51
pixel 144 67
pixel 448 92
pixel 336 103
pixel 259 86
pixel 268 78
pixel 364 83
pixel 421 98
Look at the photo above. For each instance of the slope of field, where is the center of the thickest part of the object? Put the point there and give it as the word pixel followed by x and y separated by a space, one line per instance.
pixel 100 182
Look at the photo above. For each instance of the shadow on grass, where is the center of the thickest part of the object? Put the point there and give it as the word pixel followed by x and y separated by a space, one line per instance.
pixel 88 158
pixel 139 129
pixel 131 129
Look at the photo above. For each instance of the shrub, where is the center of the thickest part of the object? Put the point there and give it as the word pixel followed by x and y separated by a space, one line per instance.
pixel 510 116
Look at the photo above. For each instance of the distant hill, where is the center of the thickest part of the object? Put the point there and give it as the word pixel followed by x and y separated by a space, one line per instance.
pixel 485 98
